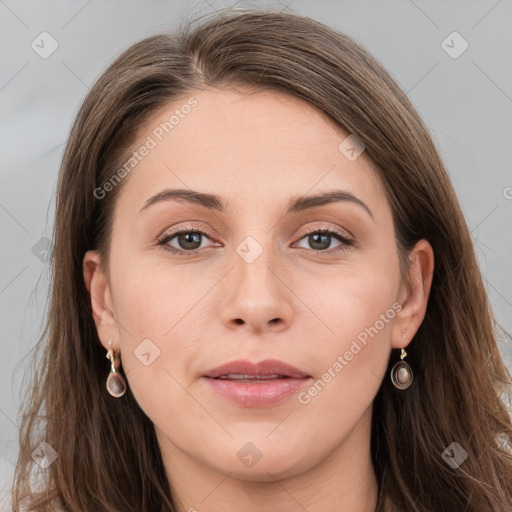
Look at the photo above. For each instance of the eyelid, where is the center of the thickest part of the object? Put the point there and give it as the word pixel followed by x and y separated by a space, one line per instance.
pixel 345 242
pixel 302 232
pixel 188 227
pixel 164 239
pixel 313 229
pixel 347 239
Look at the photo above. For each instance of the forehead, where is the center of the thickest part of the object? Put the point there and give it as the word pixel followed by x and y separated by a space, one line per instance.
pixel 245 145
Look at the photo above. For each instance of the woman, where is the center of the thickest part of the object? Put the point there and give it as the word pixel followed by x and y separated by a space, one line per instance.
pixel 254 227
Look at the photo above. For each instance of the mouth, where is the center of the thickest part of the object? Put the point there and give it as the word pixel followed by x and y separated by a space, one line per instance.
pixel 256 384
pixel 264 370
pixel 251 378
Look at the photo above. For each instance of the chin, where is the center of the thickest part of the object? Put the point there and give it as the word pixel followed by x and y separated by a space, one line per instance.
pixel 265 465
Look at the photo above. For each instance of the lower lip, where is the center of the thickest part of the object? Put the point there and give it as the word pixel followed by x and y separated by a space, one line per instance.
pixel 257 394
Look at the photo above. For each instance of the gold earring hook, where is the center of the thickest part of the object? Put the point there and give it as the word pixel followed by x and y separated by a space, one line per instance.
pixel 110 356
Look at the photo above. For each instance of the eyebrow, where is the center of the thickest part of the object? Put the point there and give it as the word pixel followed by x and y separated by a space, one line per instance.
pixel 296 204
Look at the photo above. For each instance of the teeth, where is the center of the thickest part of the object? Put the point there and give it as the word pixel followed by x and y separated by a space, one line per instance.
pixel 239 376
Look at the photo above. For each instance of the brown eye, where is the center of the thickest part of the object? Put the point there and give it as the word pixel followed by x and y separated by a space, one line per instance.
pixel 187 241
pixel 320 240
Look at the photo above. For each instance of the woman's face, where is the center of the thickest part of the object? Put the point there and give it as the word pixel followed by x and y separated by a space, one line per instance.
pixel 251 278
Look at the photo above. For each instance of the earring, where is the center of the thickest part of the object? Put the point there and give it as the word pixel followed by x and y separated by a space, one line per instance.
pixel 116 385
pixel 401 373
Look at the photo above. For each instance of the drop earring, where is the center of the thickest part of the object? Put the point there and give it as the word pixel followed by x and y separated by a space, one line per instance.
pixel 116 385
pixel 401 373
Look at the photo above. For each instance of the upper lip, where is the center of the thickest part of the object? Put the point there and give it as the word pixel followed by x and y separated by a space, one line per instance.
pixel 263 368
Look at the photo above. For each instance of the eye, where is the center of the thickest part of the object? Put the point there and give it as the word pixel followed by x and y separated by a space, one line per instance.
pixel 321 239
pixel 189 240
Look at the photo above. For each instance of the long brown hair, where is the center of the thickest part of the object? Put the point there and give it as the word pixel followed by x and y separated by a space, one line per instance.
pixel 108 456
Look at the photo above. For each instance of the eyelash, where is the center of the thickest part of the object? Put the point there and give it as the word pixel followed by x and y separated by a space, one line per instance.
pixel 347 243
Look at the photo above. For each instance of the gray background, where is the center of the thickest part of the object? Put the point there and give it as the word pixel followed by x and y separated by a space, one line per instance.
pixel 466 102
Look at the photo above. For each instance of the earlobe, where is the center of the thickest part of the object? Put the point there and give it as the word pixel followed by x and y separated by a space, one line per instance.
pixel 100 297
pixel 415 294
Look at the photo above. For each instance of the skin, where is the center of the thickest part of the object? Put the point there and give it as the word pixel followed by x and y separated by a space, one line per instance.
pixel 256 150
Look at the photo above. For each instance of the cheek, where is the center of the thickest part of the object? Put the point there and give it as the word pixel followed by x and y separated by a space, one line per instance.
pixel 358 312
pixel 154 294
pixel 159 323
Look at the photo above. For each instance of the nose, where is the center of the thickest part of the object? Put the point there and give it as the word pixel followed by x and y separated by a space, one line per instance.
pixel 256 296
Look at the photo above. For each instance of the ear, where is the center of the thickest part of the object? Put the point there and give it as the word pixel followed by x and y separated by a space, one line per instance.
pixel 101 299
pixel 414 296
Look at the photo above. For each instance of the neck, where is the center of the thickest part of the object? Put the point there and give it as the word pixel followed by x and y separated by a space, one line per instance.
pixel 343 481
